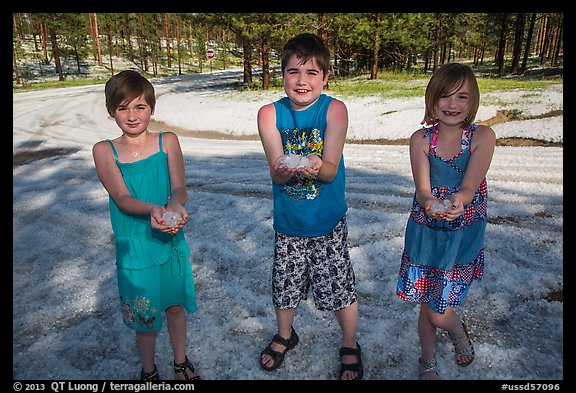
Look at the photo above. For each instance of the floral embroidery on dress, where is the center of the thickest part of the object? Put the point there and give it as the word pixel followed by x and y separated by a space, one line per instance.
pixel 139 307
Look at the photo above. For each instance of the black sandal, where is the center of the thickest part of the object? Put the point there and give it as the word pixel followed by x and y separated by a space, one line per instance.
pixel 353 367
pixel 151 376
pixel 182 367
pixel 278 357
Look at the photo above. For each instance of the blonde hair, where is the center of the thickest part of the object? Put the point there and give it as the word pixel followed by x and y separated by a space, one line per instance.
pixel 445 81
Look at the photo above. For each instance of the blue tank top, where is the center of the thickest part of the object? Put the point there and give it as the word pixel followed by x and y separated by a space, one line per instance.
pixel 304 206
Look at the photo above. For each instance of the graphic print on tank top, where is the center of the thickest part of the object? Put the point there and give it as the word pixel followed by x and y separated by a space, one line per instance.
pixel 303 142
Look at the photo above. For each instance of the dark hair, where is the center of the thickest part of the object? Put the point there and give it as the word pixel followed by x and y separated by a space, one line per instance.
pixel 306 46
pixel 126 86
pixel 444 82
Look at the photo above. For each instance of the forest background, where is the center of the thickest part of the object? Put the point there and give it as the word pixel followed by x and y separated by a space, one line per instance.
pixel 65 46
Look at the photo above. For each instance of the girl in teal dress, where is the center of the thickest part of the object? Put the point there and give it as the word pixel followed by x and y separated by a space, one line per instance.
pixel 143 173
pixel 444 249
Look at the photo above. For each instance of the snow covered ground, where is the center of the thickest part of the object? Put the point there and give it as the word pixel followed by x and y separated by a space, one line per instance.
pixel 66 318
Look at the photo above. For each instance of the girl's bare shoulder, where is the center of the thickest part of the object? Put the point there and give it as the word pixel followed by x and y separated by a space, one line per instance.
pixel 485 134
pixel 418 136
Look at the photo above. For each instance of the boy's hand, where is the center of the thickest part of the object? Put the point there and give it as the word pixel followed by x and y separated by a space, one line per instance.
pixel 282 169
pixel 313 167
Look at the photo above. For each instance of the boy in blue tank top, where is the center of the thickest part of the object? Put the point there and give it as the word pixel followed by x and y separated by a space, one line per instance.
pixel 303 137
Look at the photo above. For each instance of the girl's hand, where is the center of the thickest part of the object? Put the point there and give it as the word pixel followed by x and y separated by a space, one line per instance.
pixel 434 213
pixel 157 221
pixel 437 209
pixel 450 214
pixel 428 208
pixel 456 211
pixel 176 207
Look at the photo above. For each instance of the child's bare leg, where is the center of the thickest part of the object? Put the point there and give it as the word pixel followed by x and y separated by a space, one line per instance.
pixel 451 322
pixel 426 332
pixel 176 320
pixel 347 318
pixel 146 342
pixel 284 319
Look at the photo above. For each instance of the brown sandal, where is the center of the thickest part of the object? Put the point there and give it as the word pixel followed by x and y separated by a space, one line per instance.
pixel 428 366
pixel 467 352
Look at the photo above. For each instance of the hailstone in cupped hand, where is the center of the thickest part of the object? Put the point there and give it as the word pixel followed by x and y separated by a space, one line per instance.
pixel 441 206
pixel 171 218
pixel 295 161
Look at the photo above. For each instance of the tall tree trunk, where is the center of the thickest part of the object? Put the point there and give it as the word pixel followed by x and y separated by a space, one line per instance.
pixel 128 37
pixel 178 45
pixel 265 62
pixel 110 50
pixel 247 54
pixel 558 41
pixel 16 70
pixel 518 36
pixel 322 29
pixel 97 38
pixel 56 53
pixel 376 51
pixel 502 43
pixel 545 41
pixel 527 47
pixel 166 33
pixel 42 25
pixel 437 41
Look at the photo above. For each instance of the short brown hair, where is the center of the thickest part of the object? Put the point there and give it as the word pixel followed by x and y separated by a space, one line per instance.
pixel 445 81
pixel 126 86
pixel 306 46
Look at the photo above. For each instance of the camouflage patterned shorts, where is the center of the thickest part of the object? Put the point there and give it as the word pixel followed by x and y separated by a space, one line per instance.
pixel 322 263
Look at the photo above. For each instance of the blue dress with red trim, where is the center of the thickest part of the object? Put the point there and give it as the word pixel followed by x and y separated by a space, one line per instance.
pixel 442 258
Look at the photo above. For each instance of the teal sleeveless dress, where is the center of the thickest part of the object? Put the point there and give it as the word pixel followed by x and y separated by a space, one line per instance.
pixel 440 258
pixel 153 268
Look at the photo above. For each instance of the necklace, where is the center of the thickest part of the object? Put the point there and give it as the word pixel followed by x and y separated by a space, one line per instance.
pixel 135 153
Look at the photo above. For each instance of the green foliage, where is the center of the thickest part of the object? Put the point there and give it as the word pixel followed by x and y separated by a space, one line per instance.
pixel 374 53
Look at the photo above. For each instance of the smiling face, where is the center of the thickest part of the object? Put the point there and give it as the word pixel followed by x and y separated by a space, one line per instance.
pixel 452 95
pixel 303 82
pixel 133 117
pixel 453 108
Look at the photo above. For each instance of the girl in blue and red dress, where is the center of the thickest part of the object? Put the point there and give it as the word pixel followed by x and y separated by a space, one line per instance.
pixel 444 248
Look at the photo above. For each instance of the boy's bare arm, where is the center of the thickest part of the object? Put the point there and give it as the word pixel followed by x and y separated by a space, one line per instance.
pixel 272 144
pixel 334 139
